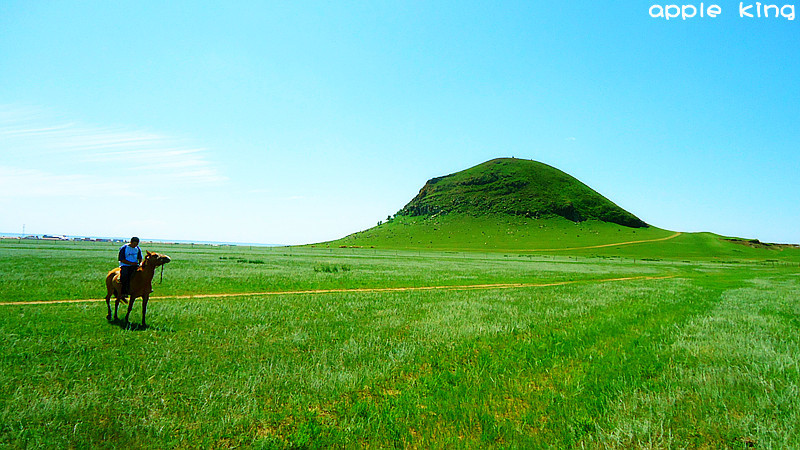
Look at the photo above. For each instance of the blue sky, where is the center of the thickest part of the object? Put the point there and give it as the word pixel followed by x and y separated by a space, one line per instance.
pixel 296 122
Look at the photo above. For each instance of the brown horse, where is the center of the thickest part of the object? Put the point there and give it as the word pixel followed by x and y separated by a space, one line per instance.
pixel 141 285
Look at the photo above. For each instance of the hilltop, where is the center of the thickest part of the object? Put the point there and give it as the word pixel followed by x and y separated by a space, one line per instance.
pixel 517 187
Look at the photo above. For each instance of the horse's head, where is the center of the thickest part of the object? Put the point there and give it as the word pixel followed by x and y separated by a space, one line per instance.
pixel 156 259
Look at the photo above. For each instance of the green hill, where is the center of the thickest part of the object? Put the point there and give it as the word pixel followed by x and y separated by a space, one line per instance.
pixel 516 187
pixel 521 206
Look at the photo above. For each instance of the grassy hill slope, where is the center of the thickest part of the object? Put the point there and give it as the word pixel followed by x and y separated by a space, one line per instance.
pixel 495 232
pixel 507 233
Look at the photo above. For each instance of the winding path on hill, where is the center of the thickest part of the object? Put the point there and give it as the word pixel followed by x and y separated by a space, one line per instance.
pixel 617 244
pixel 467 287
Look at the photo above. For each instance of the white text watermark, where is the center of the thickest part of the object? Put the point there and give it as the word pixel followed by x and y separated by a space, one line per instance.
pixel 746 10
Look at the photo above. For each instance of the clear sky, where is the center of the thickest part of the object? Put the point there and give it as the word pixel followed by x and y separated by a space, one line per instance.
pixel 295 122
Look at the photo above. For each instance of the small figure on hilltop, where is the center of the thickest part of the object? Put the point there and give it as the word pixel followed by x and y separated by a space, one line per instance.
pixel 130 256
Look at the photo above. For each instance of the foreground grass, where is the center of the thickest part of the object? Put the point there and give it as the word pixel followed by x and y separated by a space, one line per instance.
pixel 708 358
pixel 645 363
pixel 732 380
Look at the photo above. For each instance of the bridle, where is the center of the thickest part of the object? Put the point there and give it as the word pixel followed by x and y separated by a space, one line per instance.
pixel 161 279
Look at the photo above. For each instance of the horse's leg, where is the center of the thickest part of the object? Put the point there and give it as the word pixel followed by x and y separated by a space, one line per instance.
pixel 117 295
pixel 108 303
pixel 130 307
pixel 145 298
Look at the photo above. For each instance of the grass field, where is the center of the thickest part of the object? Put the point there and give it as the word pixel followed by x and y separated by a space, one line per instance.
pixel 706 358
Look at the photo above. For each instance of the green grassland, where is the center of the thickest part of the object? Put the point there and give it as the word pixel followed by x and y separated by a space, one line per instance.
pixel 709 357
pixel 45 270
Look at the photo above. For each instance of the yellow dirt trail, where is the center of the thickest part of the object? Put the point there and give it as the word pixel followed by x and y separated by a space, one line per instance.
pixel 358 290
pixel 616 244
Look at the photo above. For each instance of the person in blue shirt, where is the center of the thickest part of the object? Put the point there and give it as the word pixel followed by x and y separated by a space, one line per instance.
pixel 130 256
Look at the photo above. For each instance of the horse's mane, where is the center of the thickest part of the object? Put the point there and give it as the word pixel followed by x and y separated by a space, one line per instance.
pixel 145 262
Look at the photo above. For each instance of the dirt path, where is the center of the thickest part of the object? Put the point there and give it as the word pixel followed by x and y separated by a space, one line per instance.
pixel 359 290
pixel 605 245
